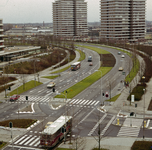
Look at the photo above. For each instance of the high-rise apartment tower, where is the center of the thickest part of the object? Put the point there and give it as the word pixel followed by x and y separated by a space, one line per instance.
pixel 1 36
pixel 123 19
pixel 70 18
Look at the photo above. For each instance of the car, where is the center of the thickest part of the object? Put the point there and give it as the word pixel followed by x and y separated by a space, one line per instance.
pixel 90 64
pixel 50 85
pixel 122 56
pixel 120 69
pixel 14 97
pixel 48 124
pixel 119 53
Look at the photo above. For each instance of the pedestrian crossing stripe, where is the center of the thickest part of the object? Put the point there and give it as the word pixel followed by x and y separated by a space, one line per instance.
pixel 80 102
pixel 129 131
pixel 28 140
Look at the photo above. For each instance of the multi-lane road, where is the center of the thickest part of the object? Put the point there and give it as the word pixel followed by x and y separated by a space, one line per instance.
pixel 87 117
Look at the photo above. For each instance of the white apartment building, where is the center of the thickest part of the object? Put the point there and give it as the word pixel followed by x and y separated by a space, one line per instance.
pixel 1 36
pixel 123 19
pixel 70 18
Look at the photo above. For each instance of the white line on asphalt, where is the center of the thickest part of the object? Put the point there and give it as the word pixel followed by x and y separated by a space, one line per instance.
pixel 20 139
pixel 34 141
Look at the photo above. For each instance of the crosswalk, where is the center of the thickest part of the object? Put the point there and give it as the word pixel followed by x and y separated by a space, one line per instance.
pixel 131 127
pixel 28 140
pixel 83 103
pixel 33 99
pixel 43 99
pixel 33 138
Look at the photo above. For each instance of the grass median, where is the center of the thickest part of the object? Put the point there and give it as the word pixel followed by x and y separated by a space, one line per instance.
pixel 83 84
pixel 27 86
pixel 82 57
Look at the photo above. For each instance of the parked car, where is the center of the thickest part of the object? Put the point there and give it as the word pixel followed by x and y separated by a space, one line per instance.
pixel 14 97
pixel 50 85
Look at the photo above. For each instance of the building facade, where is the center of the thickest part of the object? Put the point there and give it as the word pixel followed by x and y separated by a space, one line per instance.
pixel 123 19
pixel 70 18
pixel 1 36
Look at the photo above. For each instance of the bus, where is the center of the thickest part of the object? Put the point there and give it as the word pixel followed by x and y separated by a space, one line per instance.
pixel 75 66
pixel 56 131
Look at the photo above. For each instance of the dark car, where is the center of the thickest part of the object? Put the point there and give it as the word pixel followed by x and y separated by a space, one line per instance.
pixel 14 97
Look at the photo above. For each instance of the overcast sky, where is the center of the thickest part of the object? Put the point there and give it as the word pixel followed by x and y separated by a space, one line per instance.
pixel 37 11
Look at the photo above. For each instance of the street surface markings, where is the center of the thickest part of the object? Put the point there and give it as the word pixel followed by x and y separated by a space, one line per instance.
pixel 131 127
pixel 128 131
pixel 134 122
pixel 80 102
pixel 107 126
pixel 28 140
pixel 98 123
pixel 33 99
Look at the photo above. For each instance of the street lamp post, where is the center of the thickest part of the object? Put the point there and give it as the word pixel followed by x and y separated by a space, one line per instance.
pixel 143 109
pixel 102 103
pixel 65 95
pixel 144 116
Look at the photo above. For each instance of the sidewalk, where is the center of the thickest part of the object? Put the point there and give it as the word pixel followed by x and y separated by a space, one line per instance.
pixel 110 143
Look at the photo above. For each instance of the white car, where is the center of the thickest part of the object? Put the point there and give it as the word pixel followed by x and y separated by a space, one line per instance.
pixel 122 56
pixel 120 69
pixel 50 85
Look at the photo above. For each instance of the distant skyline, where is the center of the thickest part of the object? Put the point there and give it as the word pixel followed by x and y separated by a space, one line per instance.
pixel 37 11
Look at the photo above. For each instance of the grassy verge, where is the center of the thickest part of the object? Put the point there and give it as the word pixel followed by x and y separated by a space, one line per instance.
pixel 113 99
pixel 18 123
pixel 142 145
pixel 61 70
pixel 98 50
pixel 50 77
pixel 133 71
pixel 27 86
pixel 82 57
pixel 64 149
pixel 83 84
pixel 2 144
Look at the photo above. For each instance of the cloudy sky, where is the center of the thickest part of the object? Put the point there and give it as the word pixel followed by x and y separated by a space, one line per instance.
pixel 33 11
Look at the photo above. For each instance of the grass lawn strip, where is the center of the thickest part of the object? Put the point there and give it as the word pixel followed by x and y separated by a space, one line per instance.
pixel 113 99
pixel 27 86
pixel 82 57
pixel 60 70
pixel 2 144
pixel 18 123
pixel 50 77
pixel 83 84
pixel 98 50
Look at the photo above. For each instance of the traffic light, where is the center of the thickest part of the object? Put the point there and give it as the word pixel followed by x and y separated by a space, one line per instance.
pixel 103 94
pixel 9 88
pixel 26 97
pixel 53 89
pixel 10 124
